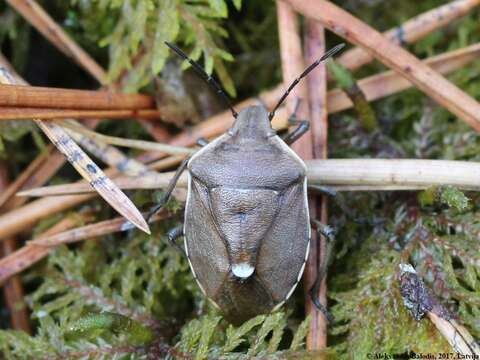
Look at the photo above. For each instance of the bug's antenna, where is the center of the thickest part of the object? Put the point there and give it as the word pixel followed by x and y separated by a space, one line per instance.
pixel 325 56
pixel 209 79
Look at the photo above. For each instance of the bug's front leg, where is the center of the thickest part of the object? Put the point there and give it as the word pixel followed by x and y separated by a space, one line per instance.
pixel 329 233
pixel 300 130
pixel 168 192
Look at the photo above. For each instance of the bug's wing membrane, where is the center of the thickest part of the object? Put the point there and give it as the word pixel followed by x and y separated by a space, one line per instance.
pixel 282 255
pixel 203 240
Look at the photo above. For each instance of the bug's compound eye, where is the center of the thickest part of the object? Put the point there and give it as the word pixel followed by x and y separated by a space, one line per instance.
pixel 242 270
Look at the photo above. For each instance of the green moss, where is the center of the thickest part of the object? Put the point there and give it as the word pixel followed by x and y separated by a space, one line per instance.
pixel 130 296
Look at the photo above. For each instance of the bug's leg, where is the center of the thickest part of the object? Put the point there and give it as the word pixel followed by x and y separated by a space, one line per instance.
pixel 329 234
pixel 173 235
pixel 202 142
pixel 302 128
pixel 323 190
pixel 169 190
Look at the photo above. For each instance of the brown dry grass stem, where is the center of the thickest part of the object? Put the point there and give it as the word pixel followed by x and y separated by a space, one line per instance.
pixel 430 82
pixel 13 290
pixel 136 144
pixel 374 87
pixel 38 248
pixel 457 336
pixel 90 231
pixel 390 82
pixel 317 91
pixel 83 164
pixel 28 255
pixel 412 30
pixel 13 113
pixel 339 174
pixel 292 66
pixel 44 24
pixel 45 97
pixel 20 181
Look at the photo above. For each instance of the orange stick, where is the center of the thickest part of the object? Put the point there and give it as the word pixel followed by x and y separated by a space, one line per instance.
pixel 20 113
pixel 45 97
pixel 317 92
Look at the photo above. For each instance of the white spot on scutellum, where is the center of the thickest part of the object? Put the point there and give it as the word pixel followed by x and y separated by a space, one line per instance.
pixel 407 268
pixel 242 270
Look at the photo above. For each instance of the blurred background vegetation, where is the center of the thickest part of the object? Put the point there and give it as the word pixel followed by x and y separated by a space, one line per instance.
pixel 130 295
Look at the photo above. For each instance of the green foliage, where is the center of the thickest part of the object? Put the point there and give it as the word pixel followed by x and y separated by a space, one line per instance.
pixel 447 195
pixel 131 296
pixel 104 300
pixel 136 31
pixel 454 198
pixel 260 336
pixel 94 325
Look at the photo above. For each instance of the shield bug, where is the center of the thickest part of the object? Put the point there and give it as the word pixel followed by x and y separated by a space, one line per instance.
pixel 247 226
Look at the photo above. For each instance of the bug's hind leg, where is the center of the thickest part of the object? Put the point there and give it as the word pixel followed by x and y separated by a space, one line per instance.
pixel 300 130
pixel 173 235
pixel 168 192
pixel 329 234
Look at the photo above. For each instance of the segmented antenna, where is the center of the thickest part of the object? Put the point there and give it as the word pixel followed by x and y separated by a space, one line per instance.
pixel 209 79
pixel 325 56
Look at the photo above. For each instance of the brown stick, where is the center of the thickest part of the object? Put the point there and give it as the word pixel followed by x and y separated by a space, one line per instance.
pixel 390 82
pixel 292 66
pixel 427 80
pixel 44 97
pixel 83 164
pixel 38 248
pixel 40 177
pixel 317 91
pixel 12 113
pixel 20 181
pixel 13 288
pixel 374 87
pixel 90 231
pixel 46 26
pixel 14 293
pixel 412 30
pixel 30 254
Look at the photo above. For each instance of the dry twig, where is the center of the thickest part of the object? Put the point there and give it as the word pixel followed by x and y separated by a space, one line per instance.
pixel 317 92
pixel 54 98
pixel 390 82
pixel 292 66
pixel 30 254
pixel 84 165
pixel 339 174
pixel 13 288
pixel 412 30
pixel 38 248
pixel 420 300
pixel 400 60
pixel 12 113
pixel 40 19
pixel 136 144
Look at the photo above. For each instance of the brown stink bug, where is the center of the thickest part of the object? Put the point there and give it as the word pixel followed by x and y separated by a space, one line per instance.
pixel 247 226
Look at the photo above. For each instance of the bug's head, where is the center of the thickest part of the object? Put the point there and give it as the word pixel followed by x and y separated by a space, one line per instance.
pixel 252 123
